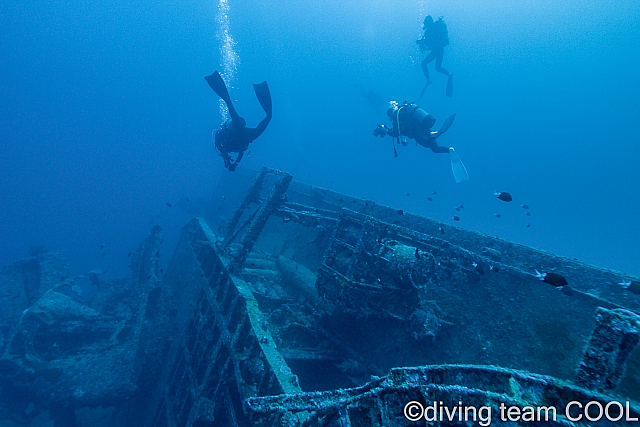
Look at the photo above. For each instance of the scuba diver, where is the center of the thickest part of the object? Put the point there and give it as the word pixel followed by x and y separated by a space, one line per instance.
pixel 234 135
pixel 435 38
pixel 411 121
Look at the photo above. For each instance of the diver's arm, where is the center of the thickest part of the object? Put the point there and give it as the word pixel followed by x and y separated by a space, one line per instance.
pixel 226 158
pixel 240 154
pixel 234 165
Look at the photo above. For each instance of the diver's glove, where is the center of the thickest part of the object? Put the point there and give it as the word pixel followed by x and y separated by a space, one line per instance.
pixel 381 130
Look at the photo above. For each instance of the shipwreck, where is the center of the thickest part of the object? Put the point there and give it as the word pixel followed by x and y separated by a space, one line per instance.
pixel 311 308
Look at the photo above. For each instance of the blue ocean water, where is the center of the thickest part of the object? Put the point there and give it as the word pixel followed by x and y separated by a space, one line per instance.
pixel 105 116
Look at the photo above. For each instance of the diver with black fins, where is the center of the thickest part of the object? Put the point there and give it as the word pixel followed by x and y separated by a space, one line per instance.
pixel 234 135
pixel 435 38
pixel 411 121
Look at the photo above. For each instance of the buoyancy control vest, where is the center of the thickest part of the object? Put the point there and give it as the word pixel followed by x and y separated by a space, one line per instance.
pixel 436 35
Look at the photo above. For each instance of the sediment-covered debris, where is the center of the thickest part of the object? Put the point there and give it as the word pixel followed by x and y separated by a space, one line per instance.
pixel 75 344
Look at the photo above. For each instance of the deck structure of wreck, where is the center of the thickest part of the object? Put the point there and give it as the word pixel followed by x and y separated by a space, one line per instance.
pixel 313 308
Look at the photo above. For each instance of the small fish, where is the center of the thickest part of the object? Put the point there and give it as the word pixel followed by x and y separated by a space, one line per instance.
pixel 631 285
pixel 527 213
pixel 441 230
pixel 129 254
pixel 435 192
pixel 408 194
pixel 367 204
pixel 224 197
pixel 168 204
pixel 456 218
pixel 102 246
pixel 458 208
pixel 148 277
pixel 400 212
pixel 188 201
pixel 505 197
pixel 340 199
pixel 498 216
pixel 524 206
pixel 461 206
pixel 479 268
pixel 430 199
pixel 552 279
pixel 494 268
pixel 528 225
pixel 417 254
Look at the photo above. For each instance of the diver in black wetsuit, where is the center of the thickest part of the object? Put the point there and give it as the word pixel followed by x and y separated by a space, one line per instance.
pixel 435 38
pixel 234 135
pixel 413 122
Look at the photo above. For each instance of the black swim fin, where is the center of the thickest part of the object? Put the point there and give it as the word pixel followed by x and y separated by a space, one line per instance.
pixel 219 87
pixel 217 84
pixel 450 86
pixel 264 96
pixel 445 126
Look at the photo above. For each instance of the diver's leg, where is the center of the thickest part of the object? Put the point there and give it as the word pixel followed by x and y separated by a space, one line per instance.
pixel 438 149
pixel 449 91
pixel 426 62
pixel 431 144
pixel 439 56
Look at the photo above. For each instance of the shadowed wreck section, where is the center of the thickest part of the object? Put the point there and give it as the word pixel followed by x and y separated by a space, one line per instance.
pixel 312 308
pixel 337 294
pixel 226 352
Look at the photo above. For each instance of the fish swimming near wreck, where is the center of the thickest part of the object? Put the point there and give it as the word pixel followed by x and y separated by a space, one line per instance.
pixel 552 279
pixel 631 286
pixel 478 267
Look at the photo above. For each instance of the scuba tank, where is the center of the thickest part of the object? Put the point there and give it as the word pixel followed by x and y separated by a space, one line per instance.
pixel 416 117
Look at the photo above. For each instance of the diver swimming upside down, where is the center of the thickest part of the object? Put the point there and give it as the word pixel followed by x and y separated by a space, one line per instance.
pixel 234 135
